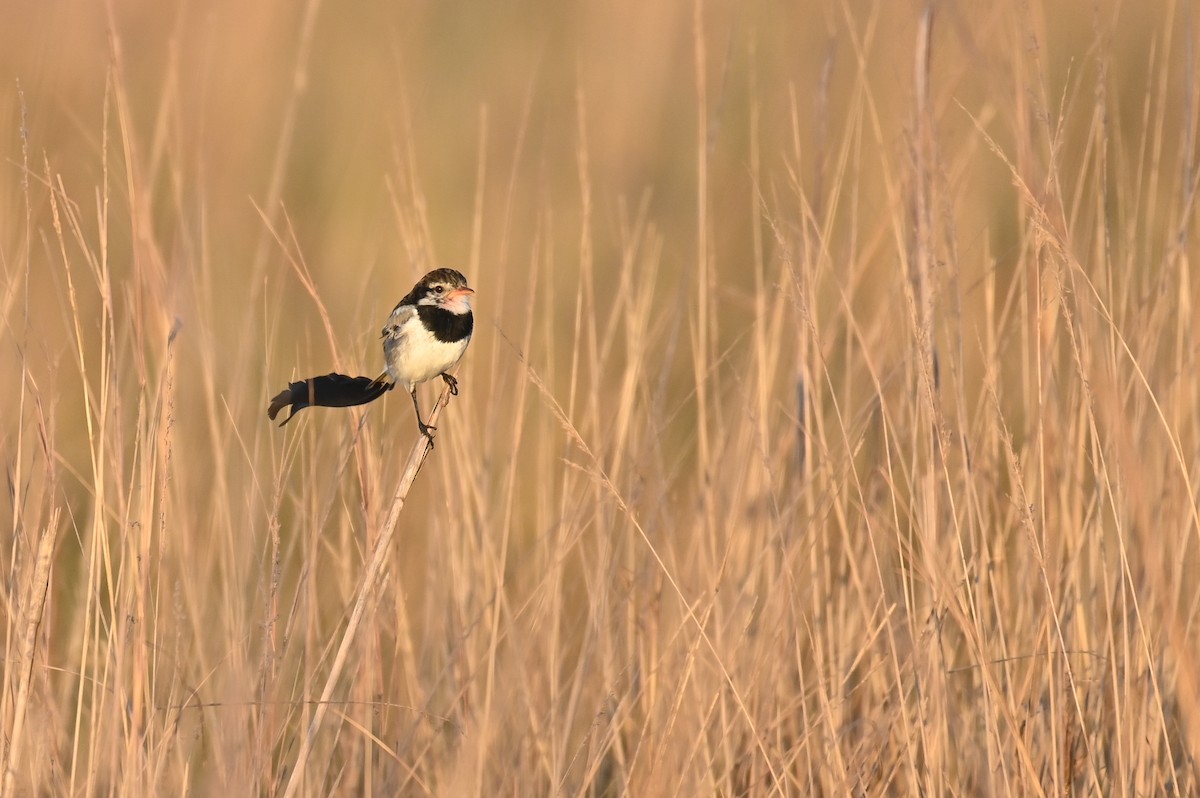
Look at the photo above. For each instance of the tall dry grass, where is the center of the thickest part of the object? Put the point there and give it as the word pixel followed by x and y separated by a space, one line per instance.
pixel 830 425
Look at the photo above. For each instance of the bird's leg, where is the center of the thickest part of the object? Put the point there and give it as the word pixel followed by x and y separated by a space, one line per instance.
pixel 426 430
pixel 452 382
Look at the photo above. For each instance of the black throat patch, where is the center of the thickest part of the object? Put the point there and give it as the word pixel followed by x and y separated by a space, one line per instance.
pixel 447 327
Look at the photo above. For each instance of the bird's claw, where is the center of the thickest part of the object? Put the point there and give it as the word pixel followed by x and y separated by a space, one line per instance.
pixel 452 382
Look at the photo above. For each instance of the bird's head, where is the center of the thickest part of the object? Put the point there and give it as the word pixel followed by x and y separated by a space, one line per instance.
pixel 445 288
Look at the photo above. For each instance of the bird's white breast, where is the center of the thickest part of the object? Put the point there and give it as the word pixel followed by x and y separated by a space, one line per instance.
pixel 414 354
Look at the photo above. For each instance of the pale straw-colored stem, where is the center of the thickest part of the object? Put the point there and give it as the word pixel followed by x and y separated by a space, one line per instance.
pixel 35 602
pixel 366 590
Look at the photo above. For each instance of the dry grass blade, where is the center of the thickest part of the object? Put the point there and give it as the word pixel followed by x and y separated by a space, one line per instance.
pixel 31 611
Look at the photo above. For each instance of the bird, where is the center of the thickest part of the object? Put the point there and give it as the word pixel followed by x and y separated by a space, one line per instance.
pixel 425 336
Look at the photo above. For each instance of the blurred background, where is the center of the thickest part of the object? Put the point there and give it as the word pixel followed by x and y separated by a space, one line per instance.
pixel 849 310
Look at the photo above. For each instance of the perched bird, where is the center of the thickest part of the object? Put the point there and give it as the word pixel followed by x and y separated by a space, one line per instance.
pixel 425 337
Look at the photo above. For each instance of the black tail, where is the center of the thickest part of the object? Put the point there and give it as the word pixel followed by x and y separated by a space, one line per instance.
pixel 330 390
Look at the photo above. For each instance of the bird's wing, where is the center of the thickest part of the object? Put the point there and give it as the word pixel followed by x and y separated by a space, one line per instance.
pixel 396 331
pixel 395 323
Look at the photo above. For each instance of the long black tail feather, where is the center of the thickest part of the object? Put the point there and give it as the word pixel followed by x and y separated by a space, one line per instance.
pixel 329 390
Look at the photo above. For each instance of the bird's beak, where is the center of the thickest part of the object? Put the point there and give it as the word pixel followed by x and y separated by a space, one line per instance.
pixel 457 292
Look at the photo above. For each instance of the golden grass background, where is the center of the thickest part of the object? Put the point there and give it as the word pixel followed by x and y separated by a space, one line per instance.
pixel 830 425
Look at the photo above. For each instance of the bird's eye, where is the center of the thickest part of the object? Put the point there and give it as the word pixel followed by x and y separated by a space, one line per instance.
pixel 437 289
